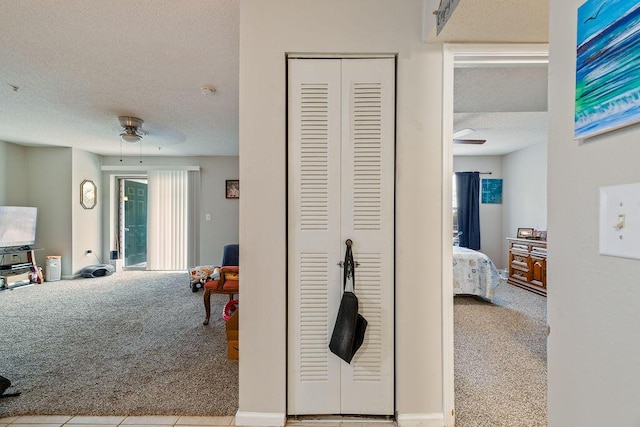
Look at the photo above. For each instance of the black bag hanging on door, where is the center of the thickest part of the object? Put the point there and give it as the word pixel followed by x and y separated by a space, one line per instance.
pixel 348 332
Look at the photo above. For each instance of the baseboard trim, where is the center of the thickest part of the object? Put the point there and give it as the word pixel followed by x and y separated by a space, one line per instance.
pixel 421 420
pixel 268 419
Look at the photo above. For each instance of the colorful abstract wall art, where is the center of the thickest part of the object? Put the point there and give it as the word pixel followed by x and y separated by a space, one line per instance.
pixel 607 67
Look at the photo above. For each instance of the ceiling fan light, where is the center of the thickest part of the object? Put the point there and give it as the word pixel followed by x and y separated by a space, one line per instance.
pixel 130 122
pixel 132 129
pixel 130 137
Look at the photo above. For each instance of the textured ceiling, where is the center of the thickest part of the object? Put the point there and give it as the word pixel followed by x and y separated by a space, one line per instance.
pixel 77 65
pixel 498 89
pixel 496 21
pixel 505 106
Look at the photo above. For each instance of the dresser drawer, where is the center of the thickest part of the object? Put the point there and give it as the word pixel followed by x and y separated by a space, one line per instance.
pixel 523 276
pixel 521 260
pixel 519 247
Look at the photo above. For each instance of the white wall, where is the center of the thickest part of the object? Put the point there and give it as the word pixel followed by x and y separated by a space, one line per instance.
pixel 490 214
pixel 594 345
pixel 224 223
pixel 52 183
pixel 13 186
pixel 50 187
pixel 87 223
pixel 525 183
pixel 268 30
pixel 525 191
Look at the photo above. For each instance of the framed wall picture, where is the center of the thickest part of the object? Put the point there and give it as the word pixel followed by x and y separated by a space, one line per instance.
pixel 607 62
pixel 88 194
pixel 232 189
pixel 492 191
pixel 525 233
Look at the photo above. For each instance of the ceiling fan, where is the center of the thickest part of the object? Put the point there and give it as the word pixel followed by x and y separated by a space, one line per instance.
pixel 132 129
pixel 457 137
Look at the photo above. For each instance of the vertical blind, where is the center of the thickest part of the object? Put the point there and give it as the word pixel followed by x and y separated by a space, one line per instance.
pixel 168 220
pixel 193 226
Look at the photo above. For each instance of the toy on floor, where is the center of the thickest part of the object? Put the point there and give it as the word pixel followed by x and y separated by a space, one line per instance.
pixel 200 275
pixel 229 308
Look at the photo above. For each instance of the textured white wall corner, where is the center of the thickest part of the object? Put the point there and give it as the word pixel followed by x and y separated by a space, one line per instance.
pixel 269 419
pixel 421 420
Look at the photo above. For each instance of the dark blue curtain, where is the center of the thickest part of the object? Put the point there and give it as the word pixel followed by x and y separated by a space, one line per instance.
pixel 468 190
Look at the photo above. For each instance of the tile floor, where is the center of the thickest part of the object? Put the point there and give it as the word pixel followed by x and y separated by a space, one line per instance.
pixel 164 421
pixel 82 421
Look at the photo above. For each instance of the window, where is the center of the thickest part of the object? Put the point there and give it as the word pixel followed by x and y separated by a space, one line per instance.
pixel 454 204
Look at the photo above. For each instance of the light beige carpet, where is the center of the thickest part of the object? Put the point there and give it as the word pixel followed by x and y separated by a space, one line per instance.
pixel 128 344
pixel 500 360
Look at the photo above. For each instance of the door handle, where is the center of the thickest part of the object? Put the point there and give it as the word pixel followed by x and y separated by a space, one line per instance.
pixel 341 264
pixel 349 263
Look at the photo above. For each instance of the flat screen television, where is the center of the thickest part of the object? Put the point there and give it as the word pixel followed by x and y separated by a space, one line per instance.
pixel 17 226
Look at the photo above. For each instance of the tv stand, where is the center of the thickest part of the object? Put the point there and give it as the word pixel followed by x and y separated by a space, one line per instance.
pixel 9 269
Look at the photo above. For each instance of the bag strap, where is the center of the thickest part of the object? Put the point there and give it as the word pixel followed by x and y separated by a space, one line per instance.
pixel 349 267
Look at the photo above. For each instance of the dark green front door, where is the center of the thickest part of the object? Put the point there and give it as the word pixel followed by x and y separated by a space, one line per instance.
pixel 135 222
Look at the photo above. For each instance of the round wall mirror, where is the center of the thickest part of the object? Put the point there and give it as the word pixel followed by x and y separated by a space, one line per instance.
pixel 88 194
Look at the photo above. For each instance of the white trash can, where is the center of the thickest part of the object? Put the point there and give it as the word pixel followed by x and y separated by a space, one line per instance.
pixel 53 269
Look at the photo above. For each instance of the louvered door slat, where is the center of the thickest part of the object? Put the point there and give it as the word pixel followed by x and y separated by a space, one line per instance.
pixel 314 364
pixel 367 136
pixel 314 143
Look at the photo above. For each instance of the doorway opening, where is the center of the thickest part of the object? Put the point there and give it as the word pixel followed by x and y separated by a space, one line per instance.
pixel 487 59
pixel 132 222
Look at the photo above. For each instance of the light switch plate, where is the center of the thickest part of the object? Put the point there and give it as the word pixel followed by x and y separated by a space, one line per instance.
pixel 620 221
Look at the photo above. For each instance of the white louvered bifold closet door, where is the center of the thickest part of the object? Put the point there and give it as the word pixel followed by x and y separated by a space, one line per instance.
pixel 314 230
pixel 341 186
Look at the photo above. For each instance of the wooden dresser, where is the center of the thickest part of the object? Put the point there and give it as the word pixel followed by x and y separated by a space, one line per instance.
pixel 528 264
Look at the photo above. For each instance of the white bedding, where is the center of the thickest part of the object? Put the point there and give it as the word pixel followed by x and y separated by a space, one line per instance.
pixel 474 273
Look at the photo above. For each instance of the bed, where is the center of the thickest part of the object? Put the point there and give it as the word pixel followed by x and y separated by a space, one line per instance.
pixel 474 273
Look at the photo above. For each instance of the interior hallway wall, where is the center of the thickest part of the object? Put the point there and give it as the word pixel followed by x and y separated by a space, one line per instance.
pixel 87 223
pixel 594 344
pixel 13 190
pixel 268 30
pixel 50 187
